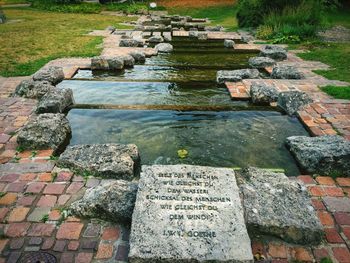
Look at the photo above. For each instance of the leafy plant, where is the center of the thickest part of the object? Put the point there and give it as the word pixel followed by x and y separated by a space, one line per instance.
pixel 182 153
pixel 286 40
pixel 44 218
pixel 264 32
pixel 326 260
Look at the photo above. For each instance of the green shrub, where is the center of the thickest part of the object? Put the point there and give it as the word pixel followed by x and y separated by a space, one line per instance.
pixel 264 32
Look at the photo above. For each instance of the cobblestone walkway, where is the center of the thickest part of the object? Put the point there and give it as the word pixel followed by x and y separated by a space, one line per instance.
pixel 34 193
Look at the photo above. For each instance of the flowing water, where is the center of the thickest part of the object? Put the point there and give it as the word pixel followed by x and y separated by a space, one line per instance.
pixel 176 105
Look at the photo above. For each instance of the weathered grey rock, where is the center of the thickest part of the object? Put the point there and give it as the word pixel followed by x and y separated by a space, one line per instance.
pixel 115 161
pixel 55 101
pixel 202 36
pixel 167 37
pixel 277 206
pixel 156 39
pixel 46 131
pixel 129 61
pixel 111 200
pixel 130 43
pixel 139 56
pixel 193 34
pixel 263 94
pixel 213 28
pixel 236 75
pixel 164 48
pixel 33 89
pixel 54 75
pixel 293 101
pixel 286 72
pixel 229 43
pixel 325 155
pixel 111 29
pixel 274 52
pixel 188 213
pixel 261 62
pixel 107 63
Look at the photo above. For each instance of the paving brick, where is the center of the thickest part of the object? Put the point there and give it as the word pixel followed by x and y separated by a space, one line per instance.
pixel 277 251
pixel 3 213
pixel 342 254
pixel 13 257
pixel 316 191
pixel 342 218
pixel 63 199
pixel 337 204
pixel 333 236
pixel 64 176
pixel 83 257
pixel 92 230
pixel 48 243
pixel 54 188
pixel 110 233
pixel 47 201
pixel 3 243
pixel 67 257
pixel 325 180
pixel 104 251
pixel 325 218
pixel 35 241
pixel 122 253
pixel 45 177
pixel 90 244
pixel 69 230
pixel 318 204
pixel 333 191
pixel 35 187
pixel 54 215
pixel 41 230
pixel 73 245
pixel 78 178
pixel 9 178
pixel 346 231
pixel 17 229
pixel 17 187
pixel 44 153
pixel 27 177
pixel 59 246
pixel 26 200
pixel 18 214
pixel 74 187
pixel 343 181
pixel 4 138
pixel 38 213
pixel 16 243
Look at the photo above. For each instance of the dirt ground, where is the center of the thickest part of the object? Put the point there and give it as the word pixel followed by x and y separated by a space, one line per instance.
pixel 194 3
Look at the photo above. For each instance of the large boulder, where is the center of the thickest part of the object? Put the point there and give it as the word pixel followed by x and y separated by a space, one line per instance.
pixel 286 72
pixel 130 43
pixel 115 161
pixel 111 200
pixel 156 39
pixel 129 61
pixel 236 75
pixel 325 155
pixel 276 206
pixel 46 131
pixel 33 89
pixel 261 62
pixel 164 48
pixel 54 75
pixel 293 101
pixel 139 56
pixel 107 63
pixel 274 52
pixel 213 28
pixel 202 35
pixel 55 101
pixel 262 94
pixel 229 43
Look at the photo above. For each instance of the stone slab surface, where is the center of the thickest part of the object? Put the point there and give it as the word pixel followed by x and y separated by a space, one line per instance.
pixel 18 168
pixel 339 204
pixel 188 213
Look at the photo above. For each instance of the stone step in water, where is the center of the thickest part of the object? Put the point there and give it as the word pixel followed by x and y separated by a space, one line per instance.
pixel 221 139
pixel 147 93
pixel 188 214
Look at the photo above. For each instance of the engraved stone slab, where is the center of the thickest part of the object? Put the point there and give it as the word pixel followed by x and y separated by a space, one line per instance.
pixel 187 213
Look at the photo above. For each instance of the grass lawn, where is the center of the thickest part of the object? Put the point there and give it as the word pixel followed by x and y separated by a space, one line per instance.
pixel 338 92
pixel 39 36
pixel 220 13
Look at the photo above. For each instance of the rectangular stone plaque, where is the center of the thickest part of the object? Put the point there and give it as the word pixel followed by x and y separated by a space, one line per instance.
pixel 187 213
